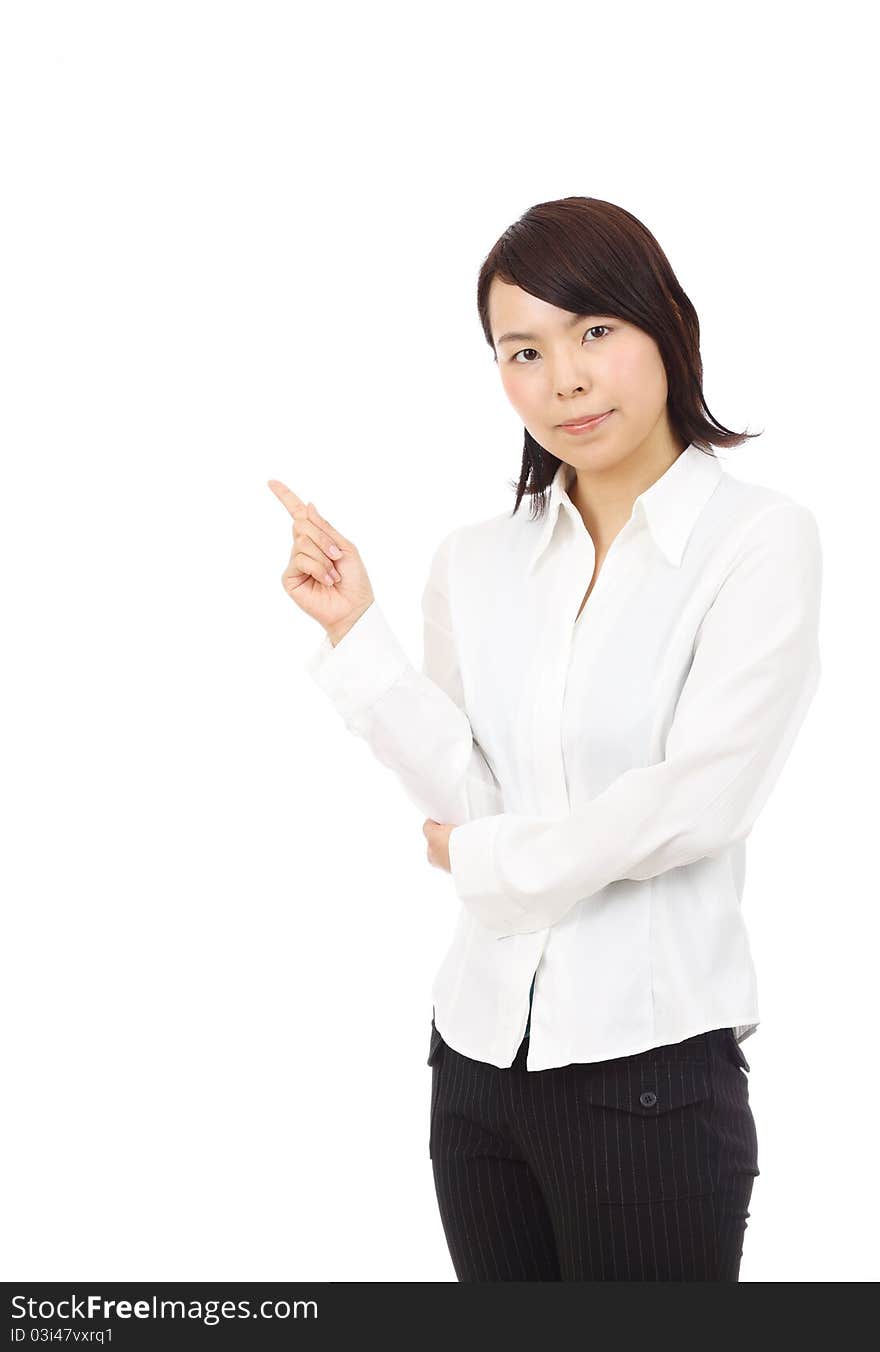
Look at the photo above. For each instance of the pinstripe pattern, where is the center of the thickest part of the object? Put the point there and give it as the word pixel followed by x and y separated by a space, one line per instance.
pixel 638 1168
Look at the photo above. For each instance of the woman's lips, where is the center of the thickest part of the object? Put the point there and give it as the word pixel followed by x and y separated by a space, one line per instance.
pixel 588 424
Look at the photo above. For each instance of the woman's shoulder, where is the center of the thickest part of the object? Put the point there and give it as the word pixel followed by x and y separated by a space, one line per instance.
pixel 469 546
pixel 485 538
pixel 750 524
pixel 742 509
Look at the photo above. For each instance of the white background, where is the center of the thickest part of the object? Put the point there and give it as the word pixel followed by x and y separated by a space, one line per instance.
pixel 239 242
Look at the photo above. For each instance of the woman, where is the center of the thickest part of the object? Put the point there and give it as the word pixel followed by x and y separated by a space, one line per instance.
pixel 610 689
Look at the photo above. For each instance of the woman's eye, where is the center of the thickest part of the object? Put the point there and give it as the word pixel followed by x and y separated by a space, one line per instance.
pixel 591 329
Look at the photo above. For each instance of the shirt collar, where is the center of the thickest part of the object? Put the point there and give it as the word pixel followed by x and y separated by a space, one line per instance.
pixel 670 505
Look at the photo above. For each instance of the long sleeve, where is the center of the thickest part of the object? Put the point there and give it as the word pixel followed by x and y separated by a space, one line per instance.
pixel 754 671
pixel 414 721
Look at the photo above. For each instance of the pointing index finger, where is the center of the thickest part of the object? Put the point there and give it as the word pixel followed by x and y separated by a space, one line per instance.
pixel 294 505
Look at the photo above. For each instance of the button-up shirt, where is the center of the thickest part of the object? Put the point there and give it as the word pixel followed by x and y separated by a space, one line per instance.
pixel 602 766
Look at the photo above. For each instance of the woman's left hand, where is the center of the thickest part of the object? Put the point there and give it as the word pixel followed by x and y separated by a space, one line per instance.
pixel 437 835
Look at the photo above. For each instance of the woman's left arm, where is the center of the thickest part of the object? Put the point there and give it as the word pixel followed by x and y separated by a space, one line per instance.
pixel 755 670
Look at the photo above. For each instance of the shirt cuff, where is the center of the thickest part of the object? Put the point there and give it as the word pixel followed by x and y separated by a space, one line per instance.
pixel 477 881
pixel 366 662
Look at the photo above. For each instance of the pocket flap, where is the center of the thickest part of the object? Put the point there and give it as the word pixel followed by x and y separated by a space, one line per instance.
pixel 736 1049
pixel 648 1089
pixel 436 1044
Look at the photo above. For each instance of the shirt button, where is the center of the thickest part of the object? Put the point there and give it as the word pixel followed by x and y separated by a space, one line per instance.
pixel 648 1098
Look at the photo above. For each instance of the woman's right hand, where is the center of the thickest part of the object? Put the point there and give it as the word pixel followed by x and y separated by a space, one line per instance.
pixel 335 602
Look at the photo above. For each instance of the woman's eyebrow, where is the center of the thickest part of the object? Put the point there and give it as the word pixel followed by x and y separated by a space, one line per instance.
pixel 513 337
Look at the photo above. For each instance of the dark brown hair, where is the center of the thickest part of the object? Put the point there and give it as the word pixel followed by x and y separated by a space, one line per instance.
pixel 592 257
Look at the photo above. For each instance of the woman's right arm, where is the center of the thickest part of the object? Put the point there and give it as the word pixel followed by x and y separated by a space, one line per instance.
pixel 414 721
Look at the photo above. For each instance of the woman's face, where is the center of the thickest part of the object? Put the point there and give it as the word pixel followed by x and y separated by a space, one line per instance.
pixel 558 366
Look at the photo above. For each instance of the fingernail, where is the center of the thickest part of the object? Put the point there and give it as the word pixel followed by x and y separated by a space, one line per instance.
pixel 334 551
pixel 328 578
pixel 337 576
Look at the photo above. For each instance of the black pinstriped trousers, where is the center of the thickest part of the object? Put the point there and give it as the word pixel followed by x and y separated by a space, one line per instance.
pixel 638 1168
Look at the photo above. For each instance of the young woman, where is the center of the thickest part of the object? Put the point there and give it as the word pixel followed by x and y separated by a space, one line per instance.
pixel 609 691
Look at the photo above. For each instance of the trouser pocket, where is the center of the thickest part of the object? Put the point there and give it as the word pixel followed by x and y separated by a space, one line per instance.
pixel 436 1062
pixel 649 1124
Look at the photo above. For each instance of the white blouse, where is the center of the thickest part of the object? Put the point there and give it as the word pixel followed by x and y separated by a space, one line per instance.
pixel 602 772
